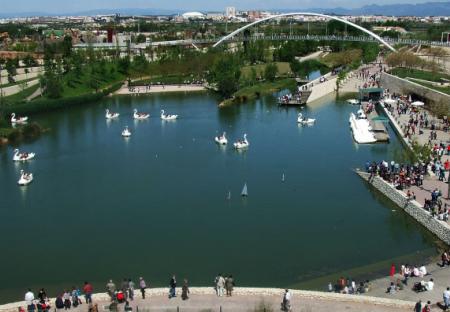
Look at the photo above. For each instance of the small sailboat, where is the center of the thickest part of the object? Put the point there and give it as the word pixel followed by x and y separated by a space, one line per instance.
pixel 244 192
pixel 282 178
pixel 229 195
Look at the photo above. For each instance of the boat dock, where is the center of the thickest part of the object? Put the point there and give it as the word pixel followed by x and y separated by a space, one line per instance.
pixel 296 99
pixel 376 122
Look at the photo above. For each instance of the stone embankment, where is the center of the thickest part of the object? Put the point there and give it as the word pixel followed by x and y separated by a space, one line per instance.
pixel 320 89
pixel 247 299
pixel 403 86
pixel 439 228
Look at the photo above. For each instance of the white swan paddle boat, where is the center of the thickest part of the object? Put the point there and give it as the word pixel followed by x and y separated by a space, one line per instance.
pixel 126 133
pixel 111 115
pixel 305 121
pixel 18 156
pixel 240 144
pixel 222 139
pixel 18 120
pixel 140 116
pixel 25 178
pixel 361 129
pixel 167 117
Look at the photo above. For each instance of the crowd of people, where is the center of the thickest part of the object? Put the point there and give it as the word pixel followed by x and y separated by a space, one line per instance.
pixel 403 176
pixel 349 286
pixel 125 293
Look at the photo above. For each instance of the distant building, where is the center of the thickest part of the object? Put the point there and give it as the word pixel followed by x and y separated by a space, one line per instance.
pixel 230 12
pixel 193 15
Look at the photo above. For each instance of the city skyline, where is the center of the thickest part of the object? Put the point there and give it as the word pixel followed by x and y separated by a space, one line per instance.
pixel 57 7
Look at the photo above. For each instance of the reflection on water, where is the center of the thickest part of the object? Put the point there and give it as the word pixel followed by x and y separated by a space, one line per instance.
pixel 169 184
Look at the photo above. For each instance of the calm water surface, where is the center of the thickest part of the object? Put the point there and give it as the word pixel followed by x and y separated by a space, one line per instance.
pixel 104 207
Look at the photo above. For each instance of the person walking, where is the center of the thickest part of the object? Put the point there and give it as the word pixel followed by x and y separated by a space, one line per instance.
pixel 185 290
pixel 220 285
pixel 446 296
pixel 173 286
pixel 229 284
pixel 111 289
pixel 286 304
pixel 88 290
pixel 142 286
pixel 130 289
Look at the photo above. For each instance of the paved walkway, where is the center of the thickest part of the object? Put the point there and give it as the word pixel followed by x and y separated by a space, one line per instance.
pixel 441 277
pixel 246 299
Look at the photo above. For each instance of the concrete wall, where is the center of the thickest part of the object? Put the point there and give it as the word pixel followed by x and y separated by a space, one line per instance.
pixel 319 90
pixel 403 86
pixel 439 228
pixel 251 292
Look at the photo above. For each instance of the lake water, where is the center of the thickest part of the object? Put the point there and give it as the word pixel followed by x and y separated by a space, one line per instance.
pixel 104 207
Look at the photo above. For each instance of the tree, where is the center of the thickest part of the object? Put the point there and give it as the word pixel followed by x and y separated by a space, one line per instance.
pixel 270 72
pixel 140 38
pixel 67 46
pixel 225 74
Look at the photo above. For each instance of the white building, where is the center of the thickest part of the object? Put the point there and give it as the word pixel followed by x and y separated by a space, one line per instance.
pixel 230 12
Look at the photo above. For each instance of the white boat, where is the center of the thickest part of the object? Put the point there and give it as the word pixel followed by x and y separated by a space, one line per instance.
pixel 240 144
pixel 167 117
pixel 305 121
pixel 222 140
pixel 111 115
pixel 126 133
pixel 140 116
pixel 361 129
pixel 353 102
pixel 18 156
pixel 25 178
pixel 244 192
pixel 18 120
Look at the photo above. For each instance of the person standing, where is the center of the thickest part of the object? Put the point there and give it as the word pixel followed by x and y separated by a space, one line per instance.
pixel 124 288
pixel 88 290
pixel 392 271
pixel 220 285
pixel 446 296
pixel 130 289
pixel 29 297
pixel 185 290
pixel 142 286
pixel 286 304
pixel 229 284
pixel 111 289
pixel 42 295
pixel 173 286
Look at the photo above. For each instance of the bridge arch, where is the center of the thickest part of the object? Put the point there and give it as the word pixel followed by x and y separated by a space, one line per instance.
pixel 307 14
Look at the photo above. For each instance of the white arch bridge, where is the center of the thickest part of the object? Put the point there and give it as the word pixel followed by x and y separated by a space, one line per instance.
pixel 371 34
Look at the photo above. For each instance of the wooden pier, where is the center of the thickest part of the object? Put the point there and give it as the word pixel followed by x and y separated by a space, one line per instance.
pixel 296 100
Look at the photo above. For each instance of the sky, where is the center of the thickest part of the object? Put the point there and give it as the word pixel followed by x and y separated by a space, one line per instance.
pixel 73 6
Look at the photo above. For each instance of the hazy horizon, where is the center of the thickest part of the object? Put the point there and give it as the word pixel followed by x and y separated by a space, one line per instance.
pixel 63 7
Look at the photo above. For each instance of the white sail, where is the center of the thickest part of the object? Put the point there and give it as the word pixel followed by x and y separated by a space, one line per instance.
pixel 244 190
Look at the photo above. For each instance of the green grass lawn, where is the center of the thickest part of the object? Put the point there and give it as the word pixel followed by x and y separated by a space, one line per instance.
pixel 20 96
pixel 419 74
pixel 284 70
